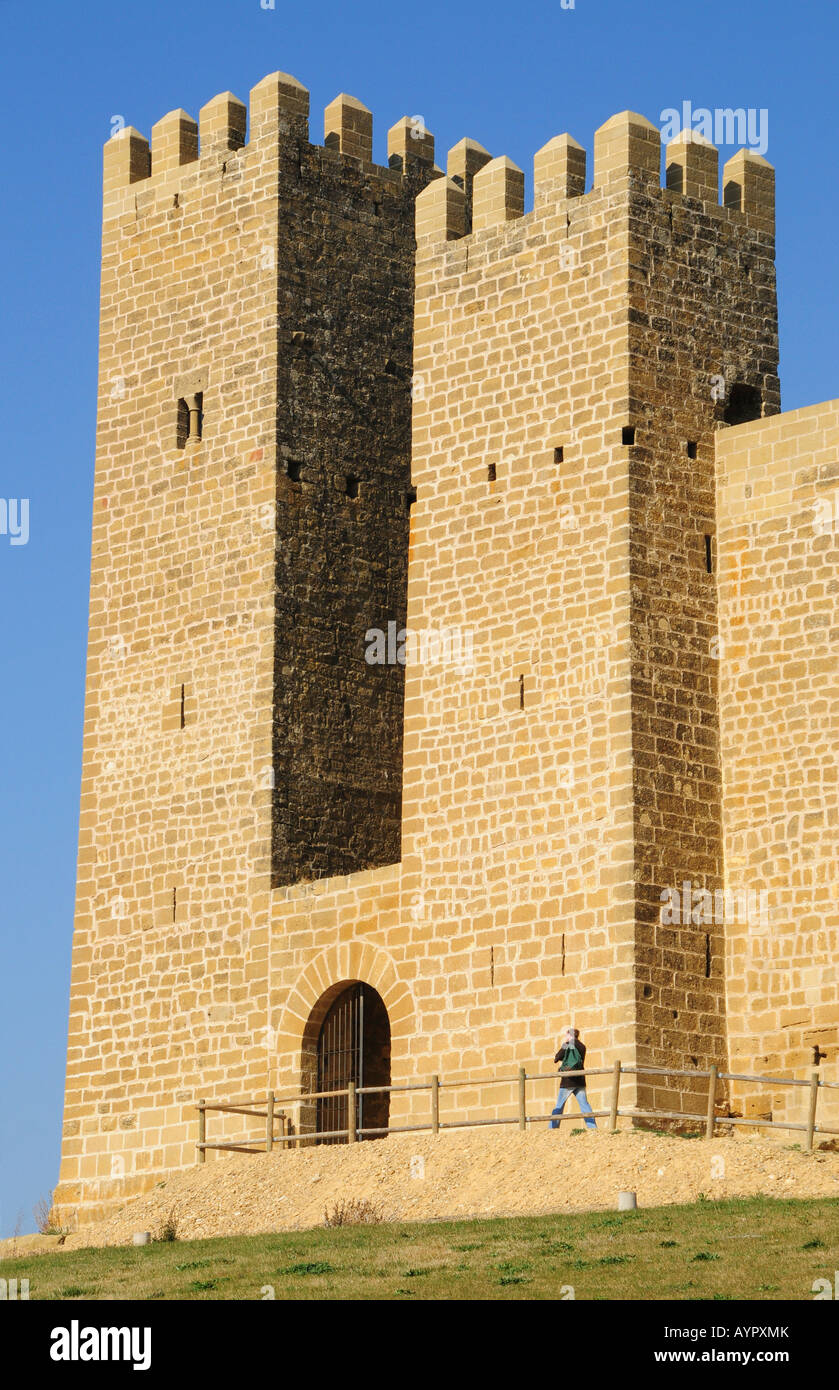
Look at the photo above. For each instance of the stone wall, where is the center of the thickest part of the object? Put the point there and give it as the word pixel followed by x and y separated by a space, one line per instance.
pixel 517 813
pixel 702 325
pixel 778 533
pixel 345 318
pixel 175 814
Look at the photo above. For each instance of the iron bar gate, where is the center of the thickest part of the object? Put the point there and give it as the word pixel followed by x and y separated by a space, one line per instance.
pixel 341 1059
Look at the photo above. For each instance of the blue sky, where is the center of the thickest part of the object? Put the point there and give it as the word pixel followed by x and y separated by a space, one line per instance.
pixel 510 76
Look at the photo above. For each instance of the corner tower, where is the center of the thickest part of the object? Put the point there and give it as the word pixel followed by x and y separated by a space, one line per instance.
pixel 576 363
pixel 250 521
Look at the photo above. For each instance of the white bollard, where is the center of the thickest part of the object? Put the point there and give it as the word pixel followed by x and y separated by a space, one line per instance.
pixel 142 1237
pixel 627 1201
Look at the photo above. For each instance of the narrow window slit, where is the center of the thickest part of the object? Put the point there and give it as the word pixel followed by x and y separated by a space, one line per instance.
pixel 182 428
pixel 491 473
pixel 691 448
pixel 174 904
pixel 628 434
pixel 709 562
pixel 559 454
pixel 521 692
pixel 707 956
pixel 183 706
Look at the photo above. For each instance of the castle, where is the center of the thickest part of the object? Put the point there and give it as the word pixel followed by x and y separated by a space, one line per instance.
pixel 341 402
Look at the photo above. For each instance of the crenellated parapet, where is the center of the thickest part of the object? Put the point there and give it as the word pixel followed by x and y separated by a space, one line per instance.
pixel 222 124
pixel 497 194
pixel 559 170
pixel 409 143
pixel 227 129
pixel 627 154
pixel 627 146
pixel 749 188
pixel 693 166
pixel 348 128
pixel 441 212
pixel 279 108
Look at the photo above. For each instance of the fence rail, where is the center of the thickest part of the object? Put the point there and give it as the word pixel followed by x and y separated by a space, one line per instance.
pixel 434 1125
pixel 270 1114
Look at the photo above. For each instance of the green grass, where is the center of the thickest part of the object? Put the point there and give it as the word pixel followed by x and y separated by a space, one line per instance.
pixel 757 1248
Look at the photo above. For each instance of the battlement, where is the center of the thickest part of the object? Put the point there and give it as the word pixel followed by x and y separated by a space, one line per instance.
pixel 278 113
pixel 480 193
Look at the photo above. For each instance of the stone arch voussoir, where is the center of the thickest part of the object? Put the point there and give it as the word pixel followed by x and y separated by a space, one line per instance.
pixel 322 980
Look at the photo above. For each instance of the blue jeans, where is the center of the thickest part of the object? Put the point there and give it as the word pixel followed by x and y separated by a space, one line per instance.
pixel 582 1101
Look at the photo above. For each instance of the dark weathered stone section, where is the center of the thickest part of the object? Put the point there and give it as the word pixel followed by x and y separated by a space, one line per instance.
pixel 345 324
pixel 702 306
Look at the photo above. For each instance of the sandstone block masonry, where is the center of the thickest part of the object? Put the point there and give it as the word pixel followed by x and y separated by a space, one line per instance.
pixel 334 397
pixel 778 513
pixel 564 464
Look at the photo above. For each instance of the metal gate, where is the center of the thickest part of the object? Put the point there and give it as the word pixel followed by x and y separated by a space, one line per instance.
pixel 343 1050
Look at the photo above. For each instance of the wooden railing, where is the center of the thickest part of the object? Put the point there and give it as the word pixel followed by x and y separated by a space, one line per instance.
pixel 434 1086
pixel 270 1114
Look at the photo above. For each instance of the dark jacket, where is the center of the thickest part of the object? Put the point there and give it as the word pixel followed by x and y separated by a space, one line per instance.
pixel 573 1083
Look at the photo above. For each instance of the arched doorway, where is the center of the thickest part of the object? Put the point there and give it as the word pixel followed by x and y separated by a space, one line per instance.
pixel 354 1045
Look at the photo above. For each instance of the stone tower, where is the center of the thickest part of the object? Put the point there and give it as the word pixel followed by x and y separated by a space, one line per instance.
pixel 262 827
pixel 251 512
pixel 564 465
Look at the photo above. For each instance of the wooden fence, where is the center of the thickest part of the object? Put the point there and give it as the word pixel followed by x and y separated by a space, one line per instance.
pixel 434 1085
pixel 270 1114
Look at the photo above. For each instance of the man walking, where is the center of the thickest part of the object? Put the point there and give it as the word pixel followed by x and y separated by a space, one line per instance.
pixel 571 1057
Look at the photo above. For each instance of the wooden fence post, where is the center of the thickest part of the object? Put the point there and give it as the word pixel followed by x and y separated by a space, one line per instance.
pixel 616 1086
pixel 202 1130
pixel 435 1105
pixel 811 1116
pixel 351 1113
pixel 522 1098
pixel 269 1124
pixel 712 1099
